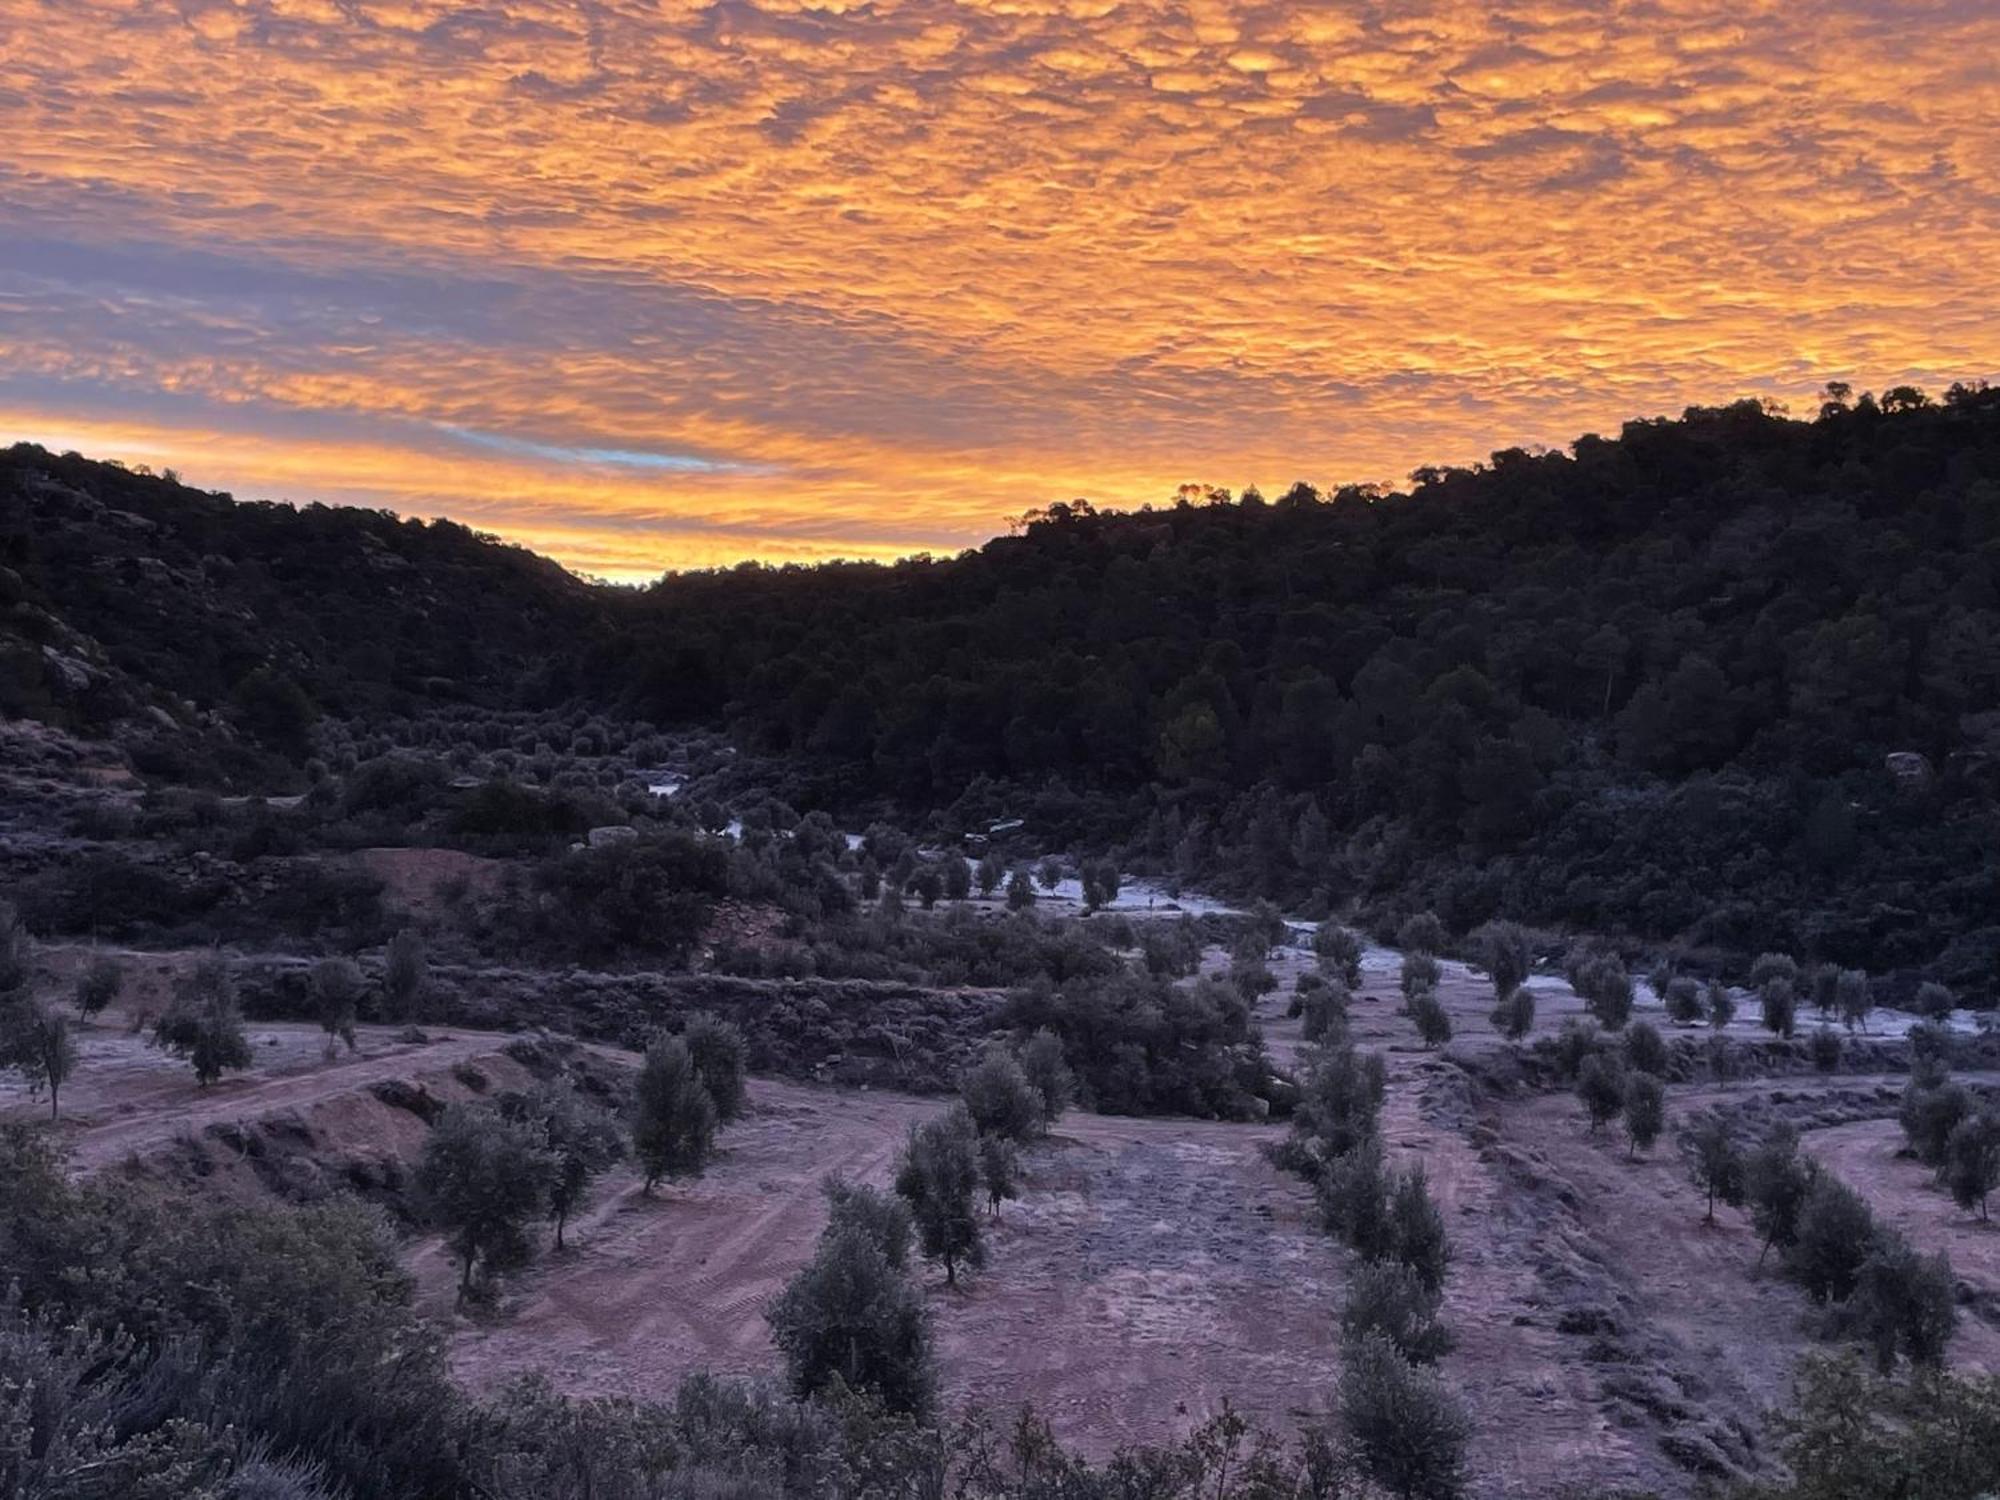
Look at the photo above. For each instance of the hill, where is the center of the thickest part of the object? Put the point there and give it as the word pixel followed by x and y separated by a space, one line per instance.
pixel 127 598
pixel 1731 680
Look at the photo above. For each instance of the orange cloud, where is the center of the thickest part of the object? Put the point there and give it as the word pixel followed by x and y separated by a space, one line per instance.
pixel 852 279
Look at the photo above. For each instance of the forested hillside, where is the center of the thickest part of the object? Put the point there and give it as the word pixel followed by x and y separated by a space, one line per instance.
pixel 1648 685
pixel 1729 680
pixel 122 592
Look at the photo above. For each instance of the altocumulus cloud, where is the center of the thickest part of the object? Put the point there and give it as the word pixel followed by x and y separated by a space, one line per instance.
pixel 653 282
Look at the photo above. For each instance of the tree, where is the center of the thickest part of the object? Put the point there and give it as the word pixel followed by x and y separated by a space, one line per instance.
pixel 1386 1297
pixel 1776 1180
pixel 1503 949
pixel 1416 1229
pixel 938 1177
pixel 957 877
pixel 1423 933
pixel 1824 1047
pixel 1100 884
pixel 1683 1001
pixel 1339 1101
pixel 999 1098
pixel 1600 1084
pixel 1049 873
pixel 1048 1072
pixel 853 1317
pixel 1514 1015
pixel 1645 1111
pixel 484 1178
pixel 98 986
pixel 336 985
pixel 1646 1049
pixel 719 1053
pixel 203 1024
pixel 1606 989
pixel 1403 1421
pixel 1338 951
pixel 674 1131
pixel 999 1166
pixel 1353 1191
pixel 929 885
pixel 35 1042
pixel 1433 1022
pixel 1835 1236
pixel 1972 1161
pixel 1905 1303
pixel 581 1140
pixel 1851 999
pixel 1780 1006
pixel 1929 1113
pixel 1721 1004
pixel 405 974
pixel 1020 892
pixel 1933 1001
pixel 1421 973
pixel 1717 1166
pixel 1770 966
pixel 1851 1435
pixel 991 872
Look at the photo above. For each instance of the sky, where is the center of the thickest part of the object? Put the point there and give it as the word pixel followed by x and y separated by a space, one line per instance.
pixel 651 284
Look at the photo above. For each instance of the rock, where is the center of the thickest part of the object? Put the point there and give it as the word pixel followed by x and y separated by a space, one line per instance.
pixel 613 833
pixel 1908 767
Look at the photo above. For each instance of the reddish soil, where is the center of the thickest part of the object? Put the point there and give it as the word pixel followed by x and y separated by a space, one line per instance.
pixel 416 881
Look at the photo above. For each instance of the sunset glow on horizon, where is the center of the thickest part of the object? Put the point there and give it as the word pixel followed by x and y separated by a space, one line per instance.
pixel 660 283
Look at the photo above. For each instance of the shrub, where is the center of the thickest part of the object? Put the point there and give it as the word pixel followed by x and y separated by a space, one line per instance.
pixel 1645 1049
pixel 1514 1013
pixel 853 1316
pixel 1503 949
pixel 1423 933
pixel 1403 1421
pixel 1339 952
pixel 1388 1299
pixel 1432 1021
pixel 1779 1006
pixel 1824 1048
pixel 1683 1001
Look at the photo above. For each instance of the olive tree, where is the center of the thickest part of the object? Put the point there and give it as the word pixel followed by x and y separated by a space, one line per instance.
pixel 719 1053
pixel 673 1131
pixel 1403 1420
pixel 939 1177
pixel 336 987
pixel 1645 1111
pixel 203 1023
pixel 35 1042
pixel 1716 1165
pixel 484 1178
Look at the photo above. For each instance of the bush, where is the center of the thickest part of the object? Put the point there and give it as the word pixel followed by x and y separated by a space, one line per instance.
pixel 1824 1048
pixel 1514 1013
pixel 852 1317
pixel 1432 1021
pixel 1645 1049
pixel 1387 1298
pixel 1403 1421
pixel 1503 949
pixel 1423 933
pixel 1683 1001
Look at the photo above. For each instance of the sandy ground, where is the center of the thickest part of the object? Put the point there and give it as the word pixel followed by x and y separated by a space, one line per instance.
pixel 1151 1268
